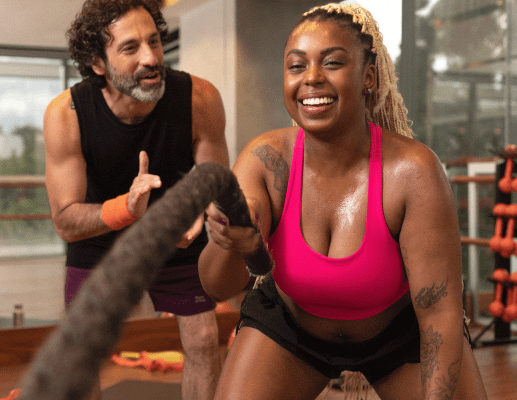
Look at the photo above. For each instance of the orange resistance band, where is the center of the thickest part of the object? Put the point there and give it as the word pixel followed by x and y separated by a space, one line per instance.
pixel 115 213
pixel 13 395
pixel 150 363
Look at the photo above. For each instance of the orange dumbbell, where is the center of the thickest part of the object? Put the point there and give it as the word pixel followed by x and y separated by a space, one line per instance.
pixel 496 308
pixel 510 311
pixel 510 151
pixel 499 212
pixel 505 183
pixel 507 245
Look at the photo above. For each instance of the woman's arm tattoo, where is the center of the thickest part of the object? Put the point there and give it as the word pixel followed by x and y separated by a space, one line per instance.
pixel 430 343
pixel 447 384
pixel 429 296
pixel 444 385
pixel 274 162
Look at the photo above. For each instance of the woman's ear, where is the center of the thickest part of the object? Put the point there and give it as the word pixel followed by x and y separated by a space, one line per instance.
pixel 370 77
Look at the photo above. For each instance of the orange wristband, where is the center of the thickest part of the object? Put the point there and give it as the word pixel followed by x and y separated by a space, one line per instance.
pixel 115 213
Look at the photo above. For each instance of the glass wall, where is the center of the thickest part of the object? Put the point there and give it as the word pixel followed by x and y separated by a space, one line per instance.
pixel 465 44
pixel 27 85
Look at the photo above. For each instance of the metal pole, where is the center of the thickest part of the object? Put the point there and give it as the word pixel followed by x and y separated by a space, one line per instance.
pixel 508 87
pixel 408 55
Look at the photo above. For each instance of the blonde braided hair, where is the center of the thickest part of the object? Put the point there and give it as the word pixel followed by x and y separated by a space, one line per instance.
pixel 385 106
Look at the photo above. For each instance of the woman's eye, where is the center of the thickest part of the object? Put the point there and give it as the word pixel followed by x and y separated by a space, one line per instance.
pixel 296 66
pixel 333 63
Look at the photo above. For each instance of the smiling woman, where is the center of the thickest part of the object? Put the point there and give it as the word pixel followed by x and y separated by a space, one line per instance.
pixel 384 102
pixel 342 201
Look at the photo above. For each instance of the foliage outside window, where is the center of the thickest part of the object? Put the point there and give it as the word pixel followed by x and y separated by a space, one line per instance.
pixel 27 85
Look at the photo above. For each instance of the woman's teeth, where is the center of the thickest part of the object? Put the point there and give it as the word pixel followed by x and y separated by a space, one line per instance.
pixel 318 101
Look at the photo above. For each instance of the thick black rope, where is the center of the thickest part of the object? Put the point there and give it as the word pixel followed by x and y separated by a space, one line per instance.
pixel 69 362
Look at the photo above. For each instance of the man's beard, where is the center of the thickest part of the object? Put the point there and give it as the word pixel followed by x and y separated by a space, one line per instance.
pixel 130 85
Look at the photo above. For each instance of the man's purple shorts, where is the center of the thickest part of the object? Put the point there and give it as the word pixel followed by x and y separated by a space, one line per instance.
pixel 175 290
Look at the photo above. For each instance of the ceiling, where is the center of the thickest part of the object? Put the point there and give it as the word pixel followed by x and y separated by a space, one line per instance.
pixel 43 23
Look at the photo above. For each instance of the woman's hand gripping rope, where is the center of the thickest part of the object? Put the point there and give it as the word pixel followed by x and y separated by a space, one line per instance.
pixel 245 239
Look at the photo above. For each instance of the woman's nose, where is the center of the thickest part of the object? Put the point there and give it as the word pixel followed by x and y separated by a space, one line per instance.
pixel 313 75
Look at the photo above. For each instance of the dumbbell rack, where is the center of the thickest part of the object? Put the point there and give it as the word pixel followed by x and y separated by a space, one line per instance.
pixel 502 331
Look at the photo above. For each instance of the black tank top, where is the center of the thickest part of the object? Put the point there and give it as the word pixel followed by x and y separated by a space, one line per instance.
pixel 111 148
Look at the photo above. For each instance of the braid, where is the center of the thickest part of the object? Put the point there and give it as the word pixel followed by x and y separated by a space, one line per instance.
pixel 385 106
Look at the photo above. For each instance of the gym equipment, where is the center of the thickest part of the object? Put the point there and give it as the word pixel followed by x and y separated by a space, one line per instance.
pixel 499 212
pixel 507 245
pixel 510 311
pixel 14 395
pixel 160 361
pixel 504 289
pixel 496 308
pixel 505 183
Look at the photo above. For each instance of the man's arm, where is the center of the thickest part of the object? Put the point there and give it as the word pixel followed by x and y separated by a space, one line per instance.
pixel 65 177
pixel 65 174
pixel 208 124
pixel 208 139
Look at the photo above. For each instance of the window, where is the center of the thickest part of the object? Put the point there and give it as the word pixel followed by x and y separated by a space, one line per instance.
pixel 27 85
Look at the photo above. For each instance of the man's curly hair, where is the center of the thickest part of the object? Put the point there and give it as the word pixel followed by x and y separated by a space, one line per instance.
pixel 88 36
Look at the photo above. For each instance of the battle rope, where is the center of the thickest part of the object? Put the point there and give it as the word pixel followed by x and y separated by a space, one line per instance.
pixel 69 361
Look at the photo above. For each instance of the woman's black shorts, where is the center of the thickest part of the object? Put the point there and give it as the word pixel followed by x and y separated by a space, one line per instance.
pixel 398 344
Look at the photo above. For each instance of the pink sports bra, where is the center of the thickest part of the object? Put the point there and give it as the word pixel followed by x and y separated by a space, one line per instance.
pixel 350 288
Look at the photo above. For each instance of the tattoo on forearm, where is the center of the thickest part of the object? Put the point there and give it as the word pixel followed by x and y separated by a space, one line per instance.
pixel 446 384
pixel 429 296
pixel 430 343
pixel 274 162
